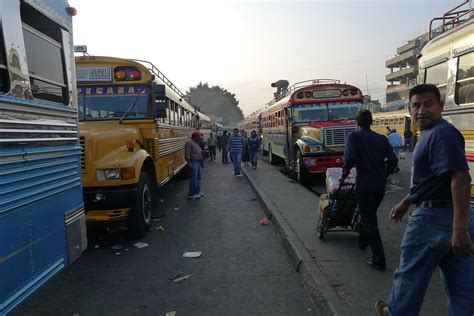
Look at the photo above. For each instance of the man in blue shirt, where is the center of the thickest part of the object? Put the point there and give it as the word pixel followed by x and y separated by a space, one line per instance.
pixel 236 143
pixel 374 159
pixel 441 228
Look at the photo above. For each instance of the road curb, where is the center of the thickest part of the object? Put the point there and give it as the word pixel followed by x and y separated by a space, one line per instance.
pixel 322 292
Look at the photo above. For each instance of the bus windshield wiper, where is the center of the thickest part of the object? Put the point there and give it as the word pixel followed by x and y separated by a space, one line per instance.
pixel 131 106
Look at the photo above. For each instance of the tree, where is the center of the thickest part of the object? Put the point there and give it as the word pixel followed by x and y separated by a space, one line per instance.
pixel 375 106
pixel 216 102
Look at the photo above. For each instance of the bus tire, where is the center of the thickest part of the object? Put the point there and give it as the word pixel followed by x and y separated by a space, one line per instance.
pixel 139 218
pixel 302 175
pixel 271 156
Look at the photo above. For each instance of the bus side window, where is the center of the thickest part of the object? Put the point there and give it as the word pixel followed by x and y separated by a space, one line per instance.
pixel 465 80
pixel 4 81
pixel 438 75
pixel 44 55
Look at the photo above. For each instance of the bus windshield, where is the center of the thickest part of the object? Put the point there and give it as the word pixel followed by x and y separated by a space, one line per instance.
pixel 321 112
pixel 114 102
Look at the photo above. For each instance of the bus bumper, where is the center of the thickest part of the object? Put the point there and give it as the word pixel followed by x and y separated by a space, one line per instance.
pixel 322 163
pixel 109 203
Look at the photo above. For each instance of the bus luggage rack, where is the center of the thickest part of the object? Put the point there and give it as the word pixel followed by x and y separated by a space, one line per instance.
pixel 300 85
pixel 452 18
pixel 161 76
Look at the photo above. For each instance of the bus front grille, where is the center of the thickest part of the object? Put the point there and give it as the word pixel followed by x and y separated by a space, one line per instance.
pixel 83 149
pixel 337 136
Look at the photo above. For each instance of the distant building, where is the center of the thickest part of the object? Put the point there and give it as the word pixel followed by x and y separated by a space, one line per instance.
pixel 403 73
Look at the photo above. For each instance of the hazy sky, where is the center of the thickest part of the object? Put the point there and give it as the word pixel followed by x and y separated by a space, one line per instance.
pixel 243 46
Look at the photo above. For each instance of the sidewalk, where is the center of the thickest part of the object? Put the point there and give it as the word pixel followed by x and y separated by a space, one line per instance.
pixel 342 283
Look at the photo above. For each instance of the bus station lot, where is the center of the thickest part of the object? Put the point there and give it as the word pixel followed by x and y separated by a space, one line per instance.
pixel 243 268
pixel 335 270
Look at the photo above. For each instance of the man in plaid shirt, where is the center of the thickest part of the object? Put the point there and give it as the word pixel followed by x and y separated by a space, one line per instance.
pixel 193 156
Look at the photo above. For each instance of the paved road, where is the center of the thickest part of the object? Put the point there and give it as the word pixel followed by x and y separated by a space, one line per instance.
pixel 243 270
pixel 338 259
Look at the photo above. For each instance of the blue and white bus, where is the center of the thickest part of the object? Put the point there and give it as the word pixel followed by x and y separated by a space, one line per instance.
pixel 42 225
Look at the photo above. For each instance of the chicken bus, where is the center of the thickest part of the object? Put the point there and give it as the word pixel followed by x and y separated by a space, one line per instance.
pixel 308 125
pixel 42 223
pixel 447 61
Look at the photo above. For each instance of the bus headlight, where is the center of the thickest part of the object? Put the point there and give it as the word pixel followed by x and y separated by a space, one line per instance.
pixel 316 148
pixel 108 174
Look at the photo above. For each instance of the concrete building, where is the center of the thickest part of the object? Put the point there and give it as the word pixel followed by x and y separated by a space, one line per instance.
pixel 403 72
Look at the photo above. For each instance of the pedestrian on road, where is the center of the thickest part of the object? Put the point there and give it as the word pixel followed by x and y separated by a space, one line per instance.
pixel 225 147
pixel 440 230
pixel 245 149
pixel 254 146
pixel 374 159
pixel 395 141
pixel 193 156
pixel 236 144
pixel 211 145
pixel 202 144
pixel 389 130
pixel 219 141
pixel 408 136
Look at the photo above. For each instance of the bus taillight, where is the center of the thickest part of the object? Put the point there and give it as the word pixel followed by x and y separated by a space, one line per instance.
pixel 345 92
pixel 127 74
pixel 353 91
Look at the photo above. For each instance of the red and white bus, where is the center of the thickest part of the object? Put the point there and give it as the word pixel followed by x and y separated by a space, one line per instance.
pixel 308 125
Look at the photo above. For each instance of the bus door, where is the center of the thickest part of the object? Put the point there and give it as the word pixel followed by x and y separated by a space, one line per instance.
pixel 289 154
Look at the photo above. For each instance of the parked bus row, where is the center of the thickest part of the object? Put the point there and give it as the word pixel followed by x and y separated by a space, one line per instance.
pixel 133 124
pixel 308 125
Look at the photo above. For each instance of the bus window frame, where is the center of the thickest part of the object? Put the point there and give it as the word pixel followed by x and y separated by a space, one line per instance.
pixel 456 84
pixel 442 87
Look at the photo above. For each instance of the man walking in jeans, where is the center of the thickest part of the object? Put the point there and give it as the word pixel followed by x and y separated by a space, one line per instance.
pixel 236 143
pixel 374 159
pixel 193 155
pixel 441 228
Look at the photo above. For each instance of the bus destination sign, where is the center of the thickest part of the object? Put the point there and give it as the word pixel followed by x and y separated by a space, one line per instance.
pixel 326 93
pixel 94 74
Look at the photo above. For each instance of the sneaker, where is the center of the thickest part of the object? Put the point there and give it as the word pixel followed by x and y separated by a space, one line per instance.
pixel 201 194
pixel 238 175
pixel 381 308
pixel 254 168
pixel 194 197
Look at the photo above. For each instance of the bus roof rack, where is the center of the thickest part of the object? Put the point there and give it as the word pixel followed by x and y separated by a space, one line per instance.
pixel 161 76
pixel 300 85
pixel 454 17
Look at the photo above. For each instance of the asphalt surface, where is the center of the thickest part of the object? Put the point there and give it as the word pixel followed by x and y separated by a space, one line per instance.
pixel 243 269
pixel 337 265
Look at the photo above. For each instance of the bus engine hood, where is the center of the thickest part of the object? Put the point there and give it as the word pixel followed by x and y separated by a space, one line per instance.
pixel 104 144
pixel 328 137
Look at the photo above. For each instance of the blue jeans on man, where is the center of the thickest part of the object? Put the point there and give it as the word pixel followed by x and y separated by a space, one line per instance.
pixel 253 158
pixel 425 246
pixel 236 160
pixel 194 178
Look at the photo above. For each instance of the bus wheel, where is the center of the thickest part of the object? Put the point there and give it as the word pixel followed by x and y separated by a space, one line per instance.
pixel 301 173
pixel 271 157
pixel 139 218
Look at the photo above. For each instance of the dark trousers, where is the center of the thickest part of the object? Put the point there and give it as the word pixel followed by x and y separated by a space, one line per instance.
pixel 212 152
pixel 225 155
pixel 369 202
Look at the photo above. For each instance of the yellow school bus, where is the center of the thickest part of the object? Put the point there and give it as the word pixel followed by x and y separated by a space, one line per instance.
pixel 134 123
pixel 399 120
pixel 447 61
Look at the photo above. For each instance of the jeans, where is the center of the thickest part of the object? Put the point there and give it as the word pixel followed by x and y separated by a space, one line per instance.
pixel 426 245
pixel 194 178
pixel 369 202
pixel 253 158
pixel 212 152
pixel 236 159
pixel 225 156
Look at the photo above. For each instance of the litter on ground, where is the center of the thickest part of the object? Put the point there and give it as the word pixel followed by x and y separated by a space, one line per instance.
pixel 192 254
pixel 140 245
pixel 181 278
pixel 264 221
pixel 117 247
